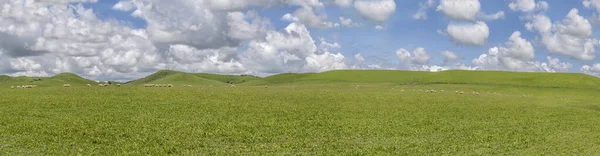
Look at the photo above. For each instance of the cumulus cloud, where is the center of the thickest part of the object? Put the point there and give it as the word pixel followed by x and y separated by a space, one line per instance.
pixel 423 7
pixel 347 22
pixel 460 9
pixel 494 60
pixel 292 49
pixel 376 10
pixel 469 33
pixel 528 5
pixel 592 4
pixel 591 69
pixel 517 55
pixel 343 3
pixel 571 36
pixel 491 17
pixel 60 37
pixel 123 6
pixel 449 56
pixel 418 57
pixel 308 17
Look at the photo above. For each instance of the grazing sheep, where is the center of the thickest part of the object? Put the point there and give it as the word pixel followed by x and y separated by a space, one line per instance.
pixel 67 85
pixel 19 87
pixel 211 86
pixel 402 90
pixel 232 86
pixel 442 91
pixel 169 85
pixel 118 85
pixel 89 85
pixel 106 85
pixel 100 85
pixel 12 87
pixel 266 86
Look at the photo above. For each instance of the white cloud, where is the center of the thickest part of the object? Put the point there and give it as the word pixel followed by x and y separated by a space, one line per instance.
pixel 591 69
pixel 528 5
pixel 124 6
pixel 517 55
pixel 241 29
pixel 376 10
pixel 308 17
pixel 540 23
pixel 347 22
pixel 494 60
pixel 497 15
pixel 450 56
pixel 571 37
pixel 378 27
pixel 418 57
pixel 359 59
pixel 343 3
pixel 517 48
pixel 460 9
pixel 469 33
pixel 592 4
pixel 64 38
pixel 423 7
pixel 292 49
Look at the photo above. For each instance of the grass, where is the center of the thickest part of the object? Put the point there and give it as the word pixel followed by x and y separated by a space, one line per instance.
pixel 55 81
pixel 309 114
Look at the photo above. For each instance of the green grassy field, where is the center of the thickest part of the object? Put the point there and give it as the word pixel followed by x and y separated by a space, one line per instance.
pixel 309 114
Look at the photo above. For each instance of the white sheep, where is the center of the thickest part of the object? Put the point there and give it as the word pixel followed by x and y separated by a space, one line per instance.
pixel 12 87
pixel 232 86
pixel 19 87
pixel 89 85
pixel 169 85
pixel 266 86
pixel 118 85
pixel 67 85
pixel 100 85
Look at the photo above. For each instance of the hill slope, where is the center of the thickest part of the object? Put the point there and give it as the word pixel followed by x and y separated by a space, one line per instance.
pixel 175 77
pixel 459 77
pixel 57 80
pixel 235 79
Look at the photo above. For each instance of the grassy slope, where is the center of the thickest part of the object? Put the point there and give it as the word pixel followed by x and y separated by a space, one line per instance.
pixel 461 77
pixel 175 77
pixel 57 80
pixel 279 79
pixel 300 121
pixel 228 78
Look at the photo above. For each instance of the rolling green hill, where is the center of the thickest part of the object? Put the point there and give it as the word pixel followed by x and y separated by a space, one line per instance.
pixel 454 77
pixel 235 79
pixel 565 80
pixel 174 77
pixel 57 80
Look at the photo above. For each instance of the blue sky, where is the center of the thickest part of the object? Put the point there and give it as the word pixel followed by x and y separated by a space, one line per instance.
pixel 192 50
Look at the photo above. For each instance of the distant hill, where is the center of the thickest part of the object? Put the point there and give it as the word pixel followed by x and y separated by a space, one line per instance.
pixel 235 79
pixel 57 80
pixel 570 80
pixel 175 77
pixel 455 76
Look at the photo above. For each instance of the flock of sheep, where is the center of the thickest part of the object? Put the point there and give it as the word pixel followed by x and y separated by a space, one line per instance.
pixel 158 85
pixel 23 87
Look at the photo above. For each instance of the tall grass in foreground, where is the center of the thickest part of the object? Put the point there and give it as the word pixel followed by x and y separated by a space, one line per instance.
pixel 304 120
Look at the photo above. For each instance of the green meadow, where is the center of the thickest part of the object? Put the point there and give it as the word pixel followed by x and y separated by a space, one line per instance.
pixel 330 113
